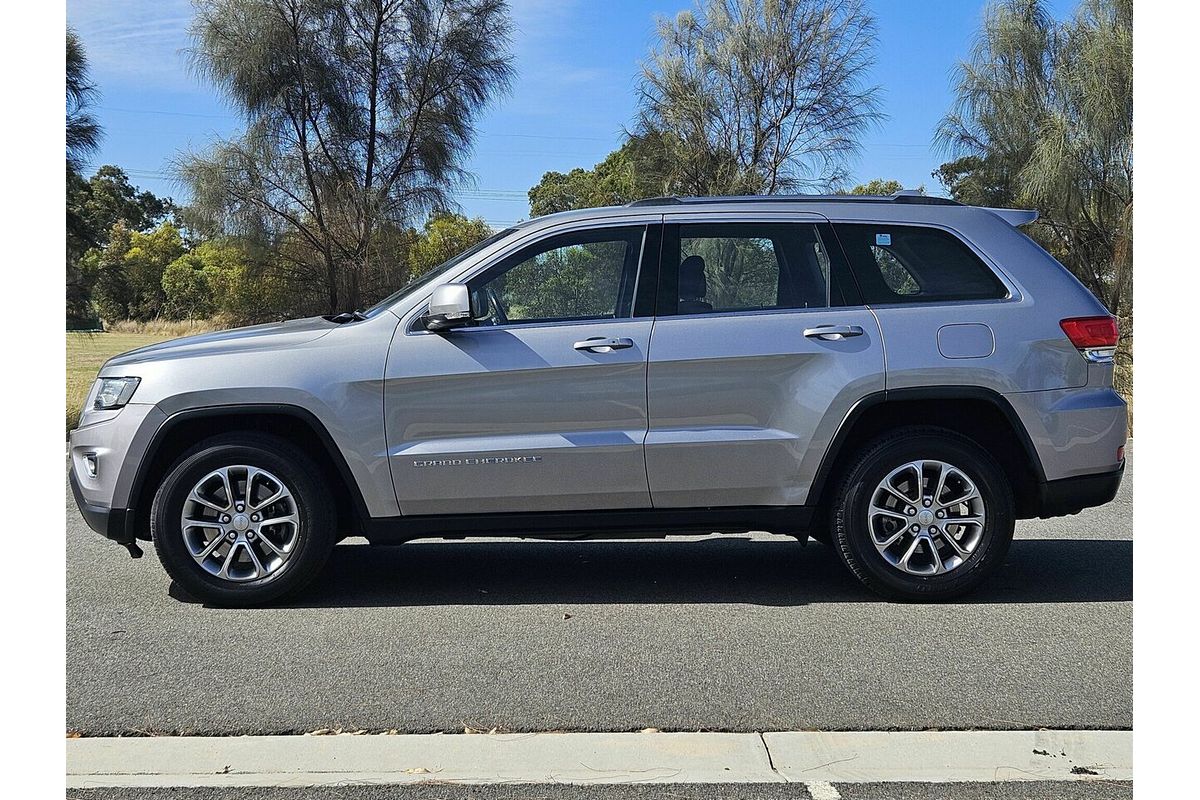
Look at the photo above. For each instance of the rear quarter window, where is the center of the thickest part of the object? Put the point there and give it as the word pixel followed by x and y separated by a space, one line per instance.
pixel 915 264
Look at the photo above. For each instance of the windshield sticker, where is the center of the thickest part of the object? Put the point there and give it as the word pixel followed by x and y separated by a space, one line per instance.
pixel 883 239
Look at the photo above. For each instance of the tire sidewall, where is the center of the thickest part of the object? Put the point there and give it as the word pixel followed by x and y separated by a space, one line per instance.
pixel 854 538
pixel 314 536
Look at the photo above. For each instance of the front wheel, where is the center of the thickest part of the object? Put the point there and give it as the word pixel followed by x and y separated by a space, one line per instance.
pixel 923 514
pixel 242 519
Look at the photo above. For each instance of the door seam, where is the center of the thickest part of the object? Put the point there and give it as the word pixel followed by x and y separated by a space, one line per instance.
pixel 646 433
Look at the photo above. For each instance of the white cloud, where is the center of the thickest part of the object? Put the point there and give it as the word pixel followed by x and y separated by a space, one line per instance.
pixel 141 44
pixel 136 42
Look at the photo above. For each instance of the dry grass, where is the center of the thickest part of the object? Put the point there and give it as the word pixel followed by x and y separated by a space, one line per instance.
pixel 167 328
pixel 87 352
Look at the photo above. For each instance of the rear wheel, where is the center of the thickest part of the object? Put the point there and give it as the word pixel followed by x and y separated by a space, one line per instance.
pixel 923 514
pixel 240 520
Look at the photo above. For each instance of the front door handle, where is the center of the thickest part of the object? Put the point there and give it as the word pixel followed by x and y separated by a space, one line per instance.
pixel 599 344
pixel 833 333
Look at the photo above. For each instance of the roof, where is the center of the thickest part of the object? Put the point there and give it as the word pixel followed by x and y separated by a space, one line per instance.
pixel 906 206
pixel 907 197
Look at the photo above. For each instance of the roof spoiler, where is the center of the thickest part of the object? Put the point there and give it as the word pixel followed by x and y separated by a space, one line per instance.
pixel 1015 216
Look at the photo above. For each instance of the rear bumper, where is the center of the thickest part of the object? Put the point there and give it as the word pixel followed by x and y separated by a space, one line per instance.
pixel 112 523
pixel 1071 495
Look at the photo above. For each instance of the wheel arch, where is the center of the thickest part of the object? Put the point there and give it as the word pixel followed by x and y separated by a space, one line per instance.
pixel 981 414
pixel 297 425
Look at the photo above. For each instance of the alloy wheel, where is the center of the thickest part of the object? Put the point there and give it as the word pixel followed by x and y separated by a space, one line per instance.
pixel 926 517
pixel 240 523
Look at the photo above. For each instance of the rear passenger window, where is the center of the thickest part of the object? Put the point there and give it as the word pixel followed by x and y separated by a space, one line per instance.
pixel 911 264
pixel 728 267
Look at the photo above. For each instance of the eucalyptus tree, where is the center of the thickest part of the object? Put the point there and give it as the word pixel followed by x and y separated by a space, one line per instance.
pixel 1044 117
pixel 759 96
pixel 631 172
pixel 359 115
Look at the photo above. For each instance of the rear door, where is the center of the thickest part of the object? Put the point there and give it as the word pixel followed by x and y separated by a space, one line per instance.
pixel 541 406
pixel 760 348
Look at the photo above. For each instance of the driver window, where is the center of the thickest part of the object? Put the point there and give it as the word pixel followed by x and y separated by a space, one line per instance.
pixel 584 275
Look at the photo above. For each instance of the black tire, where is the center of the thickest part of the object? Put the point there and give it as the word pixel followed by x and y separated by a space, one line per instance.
pixel 853 538
pixel 315 534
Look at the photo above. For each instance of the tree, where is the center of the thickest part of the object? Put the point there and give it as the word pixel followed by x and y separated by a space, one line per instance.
pixel 186 290
pixel 95 208
pixel 1044 118
pixel 83 140
pixel 443 237
pixel 979 181
pixel 104 273
pixel 359 115
pixel 626 174
pixel 128 272
pixel 108 198
pixel 758 96
pixel 879 186
pixel 224 277
pixel 83 132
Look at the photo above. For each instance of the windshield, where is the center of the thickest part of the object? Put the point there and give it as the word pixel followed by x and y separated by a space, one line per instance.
pixel 428 276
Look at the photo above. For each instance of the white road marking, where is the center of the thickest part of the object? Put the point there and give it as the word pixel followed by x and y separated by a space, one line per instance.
pixel 815 759
pixel 821 790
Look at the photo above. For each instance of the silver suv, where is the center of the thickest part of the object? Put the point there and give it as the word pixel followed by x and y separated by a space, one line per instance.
pixel 900 377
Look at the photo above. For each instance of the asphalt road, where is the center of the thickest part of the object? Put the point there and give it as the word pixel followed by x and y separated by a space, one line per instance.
pixel 719 633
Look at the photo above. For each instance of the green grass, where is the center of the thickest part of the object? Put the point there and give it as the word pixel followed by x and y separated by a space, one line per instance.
pixel 87 352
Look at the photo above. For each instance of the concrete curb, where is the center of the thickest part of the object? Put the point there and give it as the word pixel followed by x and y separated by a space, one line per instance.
pixel 952 756
pixel 813 758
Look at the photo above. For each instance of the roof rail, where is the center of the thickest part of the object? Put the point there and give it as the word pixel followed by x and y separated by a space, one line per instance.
pixel 907 197
pixel 919 198
pixel 655 201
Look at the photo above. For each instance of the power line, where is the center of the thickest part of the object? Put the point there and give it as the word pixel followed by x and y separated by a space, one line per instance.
pixel 164 112
pixel 474 194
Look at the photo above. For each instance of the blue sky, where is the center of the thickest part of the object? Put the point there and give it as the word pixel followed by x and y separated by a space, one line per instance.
pixel 576 64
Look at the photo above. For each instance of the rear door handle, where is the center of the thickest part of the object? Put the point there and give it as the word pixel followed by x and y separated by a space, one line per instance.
pixel 599 344
pixel 833 333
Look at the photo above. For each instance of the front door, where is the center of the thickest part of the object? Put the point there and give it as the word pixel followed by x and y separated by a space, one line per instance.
pixel 759 350
pixel 539 406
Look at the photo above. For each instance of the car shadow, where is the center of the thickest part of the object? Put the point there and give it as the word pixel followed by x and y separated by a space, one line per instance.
pixel 716 570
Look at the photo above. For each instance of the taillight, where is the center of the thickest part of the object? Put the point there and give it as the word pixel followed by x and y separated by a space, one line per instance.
pixel 1096 337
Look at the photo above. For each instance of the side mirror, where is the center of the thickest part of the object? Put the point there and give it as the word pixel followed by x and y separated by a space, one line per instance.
pixel 449 307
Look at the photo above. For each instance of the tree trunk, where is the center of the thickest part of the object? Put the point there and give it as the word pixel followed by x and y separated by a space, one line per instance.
pixel 353 298
pixel 331 282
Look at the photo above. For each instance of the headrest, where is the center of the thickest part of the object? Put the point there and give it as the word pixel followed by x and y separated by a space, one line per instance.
pixel 693 285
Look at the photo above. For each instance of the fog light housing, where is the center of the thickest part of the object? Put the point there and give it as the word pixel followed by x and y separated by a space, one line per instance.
pixel 91 464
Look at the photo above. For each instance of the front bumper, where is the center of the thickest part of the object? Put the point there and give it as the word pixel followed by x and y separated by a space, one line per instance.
pixel 105 455
pixel 113 523
pixel 1071 495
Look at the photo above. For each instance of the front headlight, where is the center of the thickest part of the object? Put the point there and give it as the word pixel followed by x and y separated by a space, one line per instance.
pixel 114 392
